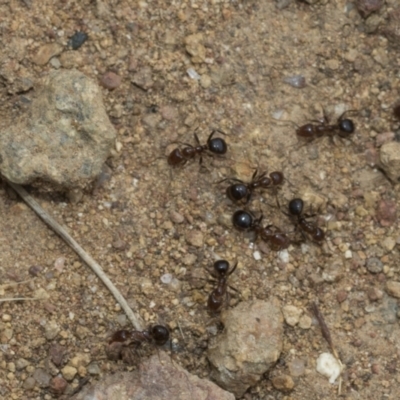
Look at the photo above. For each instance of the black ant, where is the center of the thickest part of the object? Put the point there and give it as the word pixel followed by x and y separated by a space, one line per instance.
pixel 180 156
pixel 343 127
pixel 242 190
pixel 296 208
pixel 219 296
pixel 121 342
pixel 245 221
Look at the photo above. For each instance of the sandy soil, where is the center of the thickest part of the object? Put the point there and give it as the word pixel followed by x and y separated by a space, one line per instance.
pixel 144 220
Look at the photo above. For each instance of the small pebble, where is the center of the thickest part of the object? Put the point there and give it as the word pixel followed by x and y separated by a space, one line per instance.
pixel 374 265
pixel 292 314
pixel 58 385
pixel 374 294
pixel 341 296
pixel 110 80
pixel 257 255
pixel 386 212
pixel 284 383
pixel 59 264
pixel 29 383
pixel 35 270
pixel 297 81
pixel 389 243
pixel 393 289
pixel 46 52
pixel 328 366
pixel 284 256
pixel 176 217
pixel 195 238
pixel 305 322
pixel 69 372
pixel 297 367
pixel 6 317
pixel 94 369
pixel 42 377
pixel 77 40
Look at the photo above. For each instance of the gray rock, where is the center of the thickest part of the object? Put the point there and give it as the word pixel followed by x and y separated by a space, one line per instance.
pixel 374 265
pixel 157 378
pixel 249 346
pixel 42 377
pixel 64 138
pixel 390 160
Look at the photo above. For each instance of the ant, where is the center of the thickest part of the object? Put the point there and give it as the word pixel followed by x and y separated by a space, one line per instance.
pixel 242 190
pixel 296 208
pixel 119 345
pixel 343 127
pixel 219 296
pixel 180 156
pixel 245 221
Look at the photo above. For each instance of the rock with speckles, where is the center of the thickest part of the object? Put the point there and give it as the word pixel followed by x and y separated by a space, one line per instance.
pixel 64 137
pixel 249 346
pixel 156 379
pixel 390 160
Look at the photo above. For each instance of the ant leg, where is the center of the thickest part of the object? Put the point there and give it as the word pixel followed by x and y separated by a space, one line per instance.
pixel 196 138
pixel 230 179
pixel 233 269
pixel 345 112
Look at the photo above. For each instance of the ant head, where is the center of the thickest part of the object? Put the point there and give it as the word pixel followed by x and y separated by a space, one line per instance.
pixel 296 207
pixel 242 220
pixel 217 146
pixel 160 334
pixel 276 177
pixel 221 267
pixel 237 191
pixel 346 126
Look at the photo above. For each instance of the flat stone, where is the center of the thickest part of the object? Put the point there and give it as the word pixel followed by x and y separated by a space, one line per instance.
pixel 249 346
pixel 195 238
pixel 46 52
pixel 292 314
pixel 69 372
pixel 64 137
pixel 156 378
pixel 393 289
pixel 390 160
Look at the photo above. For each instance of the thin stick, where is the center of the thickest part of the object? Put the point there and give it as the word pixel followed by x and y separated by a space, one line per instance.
pixel 327 336
pixel 19 299
pixel 78 250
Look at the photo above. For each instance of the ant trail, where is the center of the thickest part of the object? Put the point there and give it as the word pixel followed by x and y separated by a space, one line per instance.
pixel 96 268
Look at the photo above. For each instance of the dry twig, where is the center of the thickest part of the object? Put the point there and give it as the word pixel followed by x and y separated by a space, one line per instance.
pixel 79 250
pixel 327 336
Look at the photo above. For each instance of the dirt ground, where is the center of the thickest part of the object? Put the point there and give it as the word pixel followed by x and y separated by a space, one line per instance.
pixel 143 220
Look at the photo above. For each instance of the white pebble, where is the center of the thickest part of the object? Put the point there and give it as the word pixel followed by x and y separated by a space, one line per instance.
pixel 329 366
pixel 193 74
pixel 166 278
pixel 348 254
pixel 257 255
pixel 284 256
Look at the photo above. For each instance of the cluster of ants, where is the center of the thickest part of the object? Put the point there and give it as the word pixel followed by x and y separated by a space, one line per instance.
pixel 122 342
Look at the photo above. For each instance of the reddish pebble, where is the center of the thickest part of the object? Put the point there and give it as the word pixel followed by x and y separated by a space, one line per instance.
pixel 374 294
pixel 366 7
pixel 35 270
pixel 110 80
pixel 341 296
pixel 375 369
pixel 386 212
pixel 58 385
